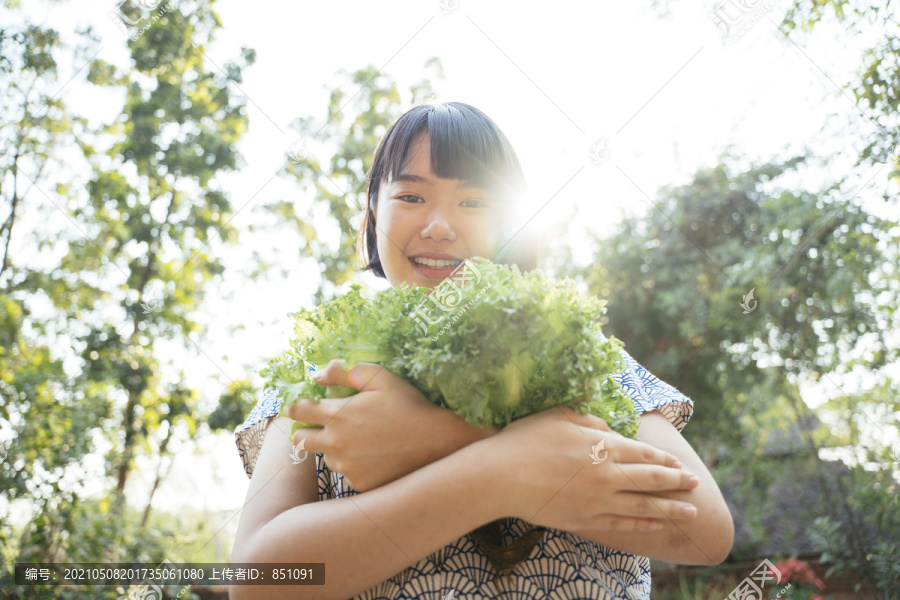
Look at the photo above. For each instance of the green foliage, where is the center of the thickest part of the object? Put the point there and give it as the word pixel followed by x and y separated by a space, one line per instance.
pixel 131 272
pixel 47 416
pixel 820 268
pixel 232 405
pixel 675 278
pixel 867 544
pixel 874 85
pixel 359 111
pixel 153 215
pixel 29 404
pixel 71 529
pixel 511 346
pixel 700 590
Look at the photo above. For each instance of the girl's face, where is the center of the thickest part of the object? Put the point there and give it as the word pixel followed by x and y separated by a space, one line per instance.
pixel 420 216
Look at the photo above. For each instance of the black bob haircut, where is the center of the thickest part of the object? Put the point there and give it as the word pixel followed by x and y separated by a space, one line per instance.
pixel 465 144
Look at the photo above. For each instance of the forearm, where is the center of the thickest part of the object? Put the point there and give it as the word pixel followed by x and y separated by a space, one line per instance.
pixel 704 540
pixel 462 434
pixel 365 539
pixel 450 433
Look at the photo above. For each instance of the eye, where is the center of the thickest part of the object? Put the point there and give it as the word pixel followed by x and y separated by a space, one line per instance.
pixel 405 198
pixel 481 202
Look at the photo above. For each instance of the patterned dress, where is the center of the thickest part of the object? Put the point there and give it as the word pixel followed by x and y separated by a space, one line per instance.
pixel 561 566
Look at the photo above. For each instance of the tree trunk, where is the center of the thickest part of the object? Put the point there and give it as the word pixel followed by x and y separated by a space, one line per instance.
pixel 128 417
pixel 159 475
pixel 12 215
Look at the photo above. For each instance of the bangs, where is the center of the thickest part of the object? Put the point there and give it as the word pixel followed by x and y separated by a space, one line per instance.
pixel 464 145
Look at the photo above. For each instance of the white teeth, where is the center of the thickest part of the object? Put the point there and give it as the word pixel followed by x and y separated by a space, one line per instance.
pixel 439 264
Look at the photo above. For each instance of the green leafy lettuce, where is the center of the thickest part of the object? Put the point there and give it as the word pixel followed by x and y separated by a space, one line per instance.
pixel 490 343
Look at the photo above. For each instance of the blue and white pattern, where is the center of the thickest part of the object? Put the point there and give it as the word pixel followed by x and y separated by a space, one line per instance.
pixel 561 566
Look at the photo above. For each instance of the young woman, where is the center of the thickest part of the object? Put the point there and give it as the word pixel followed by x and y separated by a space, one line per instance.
pixel 446 506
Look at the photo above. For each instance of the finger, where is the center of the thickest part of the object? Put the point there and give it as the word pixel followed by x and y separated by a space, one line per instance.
pixel 631 504
pixel 363 376
pixel 315 413
pixel 583 420
pixel 633 451
pixel 307 439
pixel 654 478
pixel 327 375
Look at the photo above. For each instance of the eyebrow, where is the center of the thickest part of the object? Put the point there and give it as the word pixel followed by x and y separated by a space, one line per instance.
pixel 411 178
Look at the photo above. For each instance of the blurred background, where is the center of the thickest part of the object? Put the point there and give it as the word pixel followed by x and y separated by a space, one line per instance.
pixel 178 177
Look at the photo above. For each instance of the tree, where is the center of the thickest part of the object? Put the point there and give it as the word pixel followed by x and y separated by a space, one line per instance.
pixel 156 206
pixel 134 270
pixel 36 130
pixel 675 278
pixel 876 94
pixel 678 281
pixel 359 111
pixel 874 86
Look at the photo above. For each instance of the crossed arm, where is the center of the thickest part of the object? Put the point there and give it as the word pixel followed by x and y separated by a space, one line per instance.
pixel 356 447
pixel 436 495
pixel 704 540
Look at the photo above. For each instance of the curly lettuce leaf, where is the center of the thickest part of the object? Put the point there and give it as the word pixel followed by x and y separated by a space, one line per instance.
pixel 501 346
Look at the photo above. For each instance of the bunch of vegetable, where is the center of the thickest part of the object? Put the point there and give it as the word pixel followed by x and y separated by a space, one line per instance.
pixel 490 343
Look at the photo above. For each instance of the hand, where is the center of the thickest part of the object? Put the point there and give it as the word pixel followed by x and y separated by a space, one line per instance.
pixel 382 433
pixel 548 476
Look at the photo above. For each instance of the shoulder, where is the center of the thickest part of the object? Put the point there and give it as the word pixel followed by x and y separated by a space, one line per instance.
pixel 267 406
pixel 248 437
pixel 649 393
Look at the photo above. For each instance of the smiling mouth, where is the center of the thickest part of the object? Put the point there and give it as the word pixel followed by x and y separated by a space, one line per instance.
pixel 435 272
pixel 435 263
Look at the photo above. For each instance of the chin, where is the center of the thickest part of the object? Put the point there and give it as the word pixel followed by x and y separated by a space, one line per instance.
pixel 428 286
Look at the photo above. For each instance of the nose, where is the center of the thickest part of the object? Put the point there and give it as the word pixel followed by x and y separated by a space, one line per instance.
pixel 438 224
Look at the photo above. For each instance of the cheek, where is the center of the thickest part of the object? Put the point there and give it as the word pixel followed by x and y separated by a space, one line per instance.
pixel 486 234
pixel 392 233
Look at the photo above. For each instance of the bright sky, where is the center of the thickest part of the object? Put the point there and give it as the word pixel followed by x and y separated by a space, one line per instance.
pixel 668 95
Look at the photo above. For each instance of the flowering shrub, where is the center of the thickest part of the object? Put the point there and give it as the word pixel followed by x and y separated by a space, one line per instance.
pixel 799 573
